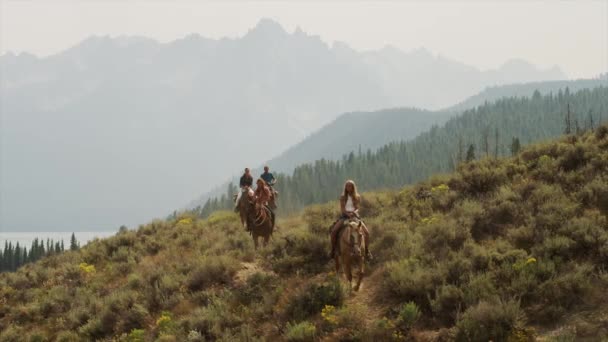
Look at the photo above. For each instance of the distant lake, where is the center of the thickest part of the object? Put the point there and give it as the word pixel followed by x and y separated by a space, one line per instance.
pixel 26 238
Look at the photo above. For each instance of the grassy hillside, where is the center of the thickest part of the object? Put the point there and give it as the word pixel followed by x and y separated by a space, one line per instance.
pixel 502 249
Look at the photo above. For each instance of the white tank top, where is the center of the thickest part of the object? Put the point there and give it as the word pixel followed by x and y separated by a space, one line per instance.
pixel 349 206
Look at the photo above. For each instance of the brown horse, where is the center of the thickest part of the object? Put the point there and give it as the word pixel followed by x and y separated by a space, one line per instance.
pixel 259 220
pixel 351 249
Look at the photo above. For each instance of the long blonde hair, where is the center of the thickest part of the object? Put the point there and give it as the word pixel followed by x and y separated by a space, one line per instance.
pixel 355 194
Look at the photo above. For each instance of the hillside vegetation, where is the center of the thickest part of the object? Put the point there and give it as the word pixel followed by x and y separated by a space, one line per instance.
pixel 502 249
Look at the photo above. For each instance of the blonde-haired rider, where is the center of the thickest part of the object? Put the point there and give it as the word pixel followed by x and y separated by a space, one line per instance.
pixel 350 201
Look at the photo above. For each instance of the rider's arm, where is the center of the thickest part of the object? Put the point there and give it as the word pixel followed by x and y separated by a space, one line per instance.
pixel 343 206
pixel 357 204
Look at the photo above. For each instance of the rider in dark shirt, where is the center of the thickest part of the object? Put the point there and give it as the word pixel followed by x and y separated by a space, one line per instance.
pixel 246 179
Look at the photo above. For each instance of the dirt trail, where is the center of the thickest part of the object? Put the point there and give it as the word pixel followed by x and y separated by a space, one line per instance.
pixel 368 297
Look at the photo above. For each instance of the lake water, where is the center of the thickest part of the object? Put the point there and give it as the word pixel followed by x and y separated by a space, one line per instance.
pixel 26 238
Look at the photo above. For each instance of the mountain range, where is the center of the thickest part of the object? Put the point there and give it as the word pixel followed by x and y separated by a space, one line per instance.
pixel 116 130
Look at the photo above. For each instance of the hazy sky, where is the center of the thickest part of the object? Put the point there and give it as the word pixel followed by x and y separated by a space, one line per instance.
pixel 570 34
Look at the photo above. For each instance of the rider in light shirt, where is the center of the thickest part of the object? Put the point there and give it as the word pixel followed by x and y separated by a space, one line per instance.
pixel 349 207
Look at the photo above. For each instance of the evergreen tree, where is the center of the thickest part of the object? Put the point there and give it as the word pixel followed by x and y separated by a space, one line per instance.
pixel 471 153
pixel 73 242
pixel 515 146
pixel 568 122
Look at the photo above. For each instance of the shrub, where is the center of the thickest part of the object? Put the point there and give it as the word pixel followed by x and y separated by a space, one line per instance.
pixel 93 329
pixel 486 321
pixel 315 297
pixel 479 178
pixel 382 329
pixel 137 335
pixel 408 280
pixel 441 236
pixel 68 336
pixel 302 253
pixel 303 331
pixel 215 318
pixel 133 318
pixel 408 315
pixel 564 291
pixel 479 288
pixel 258 285
pixel 212 270
pixel 447 303
pixel 319 218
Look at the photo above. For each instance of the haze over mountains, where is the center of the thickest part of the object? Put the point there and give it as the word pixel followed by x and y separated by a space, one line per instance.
pixel 119 130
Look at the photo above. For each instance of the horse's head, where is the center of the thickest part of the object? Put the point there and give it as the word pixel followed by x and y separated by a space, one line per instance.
pixel 356 236
pixel 245 202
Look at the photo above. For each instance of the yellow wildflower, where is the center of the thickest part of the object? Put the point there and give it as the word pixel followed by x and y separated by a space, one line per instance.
pixel 86 268
pixel 186 220
pixel 328 314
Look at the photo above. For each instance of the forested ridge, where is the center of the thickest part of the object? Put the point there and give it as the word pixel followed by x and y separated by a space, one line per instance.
pixel 496 129
pixel 372 130
pixel 14 256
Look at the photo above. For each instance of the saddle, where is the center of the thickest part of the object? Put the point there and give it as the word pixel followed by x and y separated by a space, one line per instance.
pixel 344 224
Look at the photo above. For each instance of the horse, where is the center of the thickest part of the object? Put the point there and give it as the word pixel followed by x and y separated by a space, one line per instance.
pixel 258 219
pixel 351 251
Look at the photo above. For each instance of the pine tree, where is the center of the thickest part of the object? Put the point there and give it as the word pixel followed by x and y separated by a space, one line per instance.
pixel 568 121
pixel 515 146
pixel 73 242
pixel 497 143
pixel 471 153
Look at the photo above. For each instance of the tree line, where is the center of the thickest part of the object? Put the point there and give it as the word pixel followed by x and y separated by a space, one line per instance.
pixel 491 130
pixel 14 256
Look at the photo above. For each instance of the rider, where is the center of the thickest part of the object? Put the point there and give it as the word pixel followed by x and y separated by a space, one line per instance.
pixel 245 181
pixel 263 195
pixel 270 182
pixel 349 208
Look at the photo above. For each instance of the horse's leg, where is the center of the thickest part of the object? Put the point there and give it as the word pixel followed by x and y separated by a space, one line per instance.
pixel 255 242
pixel 360 273
pixel 337 260
pixel 266 239
pixel 348 273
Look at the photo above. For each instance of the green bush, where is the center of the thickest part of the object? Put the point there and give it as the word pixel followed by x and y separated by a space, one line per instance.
pixel 136 335
pixel 303 331
pixel 408 315
pixel 490 321
pixel 301 253
pixel 313 298
pixel 320 218
pixel 68 336
pixel 448 302
pixel 212 270
pixel 408 280
pixel 440 236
